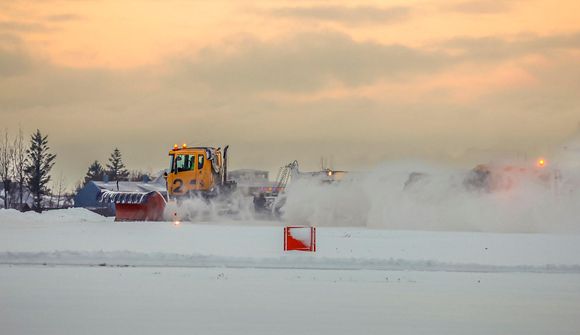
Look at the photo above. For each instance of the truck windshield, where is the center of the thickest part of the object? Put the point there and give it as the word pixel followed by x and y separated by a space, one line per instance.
pixel 184 163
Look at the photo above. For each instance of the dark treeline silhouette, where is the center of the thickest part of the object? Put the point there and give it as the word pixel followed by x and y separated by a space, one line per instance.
pixel 25 173
pixel 114 170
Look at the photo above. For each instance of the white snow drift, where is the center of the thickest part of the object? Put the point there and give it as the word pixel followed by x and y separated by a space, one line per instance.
pixel 80 237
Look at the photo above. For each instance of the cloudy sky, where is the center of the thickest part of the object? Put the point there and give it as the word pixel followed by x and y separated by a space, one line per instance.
pixel 356 82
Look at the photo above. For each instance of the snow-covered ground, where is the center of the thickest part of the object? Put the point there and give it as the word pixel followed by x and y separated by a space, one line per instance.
pixel 80 237
pixel 106 300
pixel 70 272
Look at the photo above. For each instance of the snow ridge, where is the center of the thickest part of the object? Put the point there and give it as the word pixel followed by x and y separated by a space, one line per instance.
pixel 290 261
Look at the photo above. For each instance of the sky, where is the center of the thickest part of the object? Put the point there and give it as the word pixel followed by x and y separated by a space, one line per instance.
pixel 355 82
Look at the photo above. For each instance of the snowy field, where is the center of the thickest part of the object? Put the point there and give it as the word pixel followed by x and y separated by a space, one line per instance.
pixel 72 272
pixel 152 300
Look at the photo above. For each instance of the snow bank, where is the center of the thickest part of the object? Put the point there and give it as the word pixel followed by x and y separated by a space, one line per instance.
pixel 70 215
pixel 244 245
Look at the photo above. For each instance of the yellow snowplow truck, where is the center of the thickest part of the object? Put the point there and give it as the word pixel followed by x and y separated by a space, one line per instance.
pixel 198 171
pixel 193 172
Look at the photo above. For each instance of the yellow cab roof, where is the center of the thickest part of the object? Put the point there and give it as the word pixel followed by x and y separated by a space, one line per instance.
pixel 190 150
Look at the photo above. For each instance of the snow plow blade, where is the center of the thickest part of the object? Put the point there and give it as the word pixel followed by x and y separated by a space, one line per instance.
pixel 135 206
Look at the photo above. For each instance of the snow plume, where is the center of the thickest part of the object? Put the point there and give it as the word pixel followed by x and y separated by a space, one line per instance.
pixel 339 204
pixel 236 206
pixel 568 154
pixel 421 196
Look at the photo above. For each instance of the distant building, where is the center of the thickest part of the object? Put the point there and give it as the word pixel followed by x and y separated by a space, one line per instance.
pixel 86 197
pixel 248 175
pixel 251 181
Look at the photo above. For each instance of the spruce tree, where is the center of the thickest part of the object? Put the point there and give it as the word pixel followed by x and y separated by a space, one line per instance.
pixel 95 172
pixel 116 169
pixel 38 165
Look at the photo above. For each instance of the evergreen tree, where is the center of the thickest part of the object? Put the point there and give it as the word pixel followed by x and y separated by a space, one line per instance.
pixel 38 166
pixel 95 172
pixel 116 169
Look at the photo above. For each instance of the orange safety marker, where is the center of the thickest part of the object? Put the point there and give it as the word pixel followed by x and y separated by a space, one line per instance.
pixel 300 238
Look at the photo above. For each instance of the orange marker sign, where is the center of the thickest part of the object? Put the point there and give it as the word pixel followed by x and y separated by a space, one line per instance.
pixel 300 238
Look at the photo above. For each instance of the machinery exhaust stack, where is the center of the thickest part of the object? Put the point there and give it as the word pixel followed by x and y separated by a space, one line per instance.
pixel 225 164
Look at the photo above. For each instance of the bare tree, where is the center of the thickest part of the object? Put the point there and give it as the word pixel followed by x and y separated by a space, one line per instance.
pixel 19 163
pixel 60 187
pixel 68 199
pixel 6 154
pixel 51 195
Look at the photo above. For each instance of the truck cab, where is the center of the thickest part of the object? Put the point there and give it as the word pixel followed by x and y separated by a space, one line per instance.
pixel 195 171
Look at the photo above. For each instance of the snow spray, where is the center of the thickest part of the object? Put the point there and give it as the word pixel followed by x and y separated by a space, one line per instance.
pixel 421 196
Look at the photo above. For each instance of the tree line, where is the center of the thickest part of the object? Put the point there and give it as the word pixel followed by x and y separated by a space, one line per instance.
pixel 114 170
pixel 25 171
